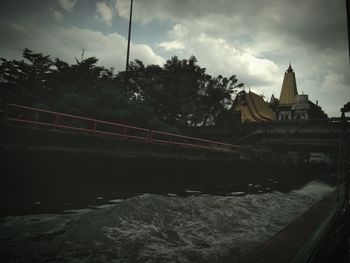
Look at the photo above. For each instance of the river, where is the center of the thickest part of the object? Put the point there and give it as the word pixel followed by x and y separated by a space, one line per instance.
pixel 192 227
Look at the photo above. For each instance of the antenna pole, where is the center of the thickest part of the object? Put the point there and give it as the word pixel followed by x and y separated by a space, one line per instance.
pixel 128 49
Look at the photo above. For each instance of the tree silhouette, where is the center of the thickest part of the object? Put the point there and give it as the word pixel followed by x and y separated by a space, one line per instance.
pixel 174 96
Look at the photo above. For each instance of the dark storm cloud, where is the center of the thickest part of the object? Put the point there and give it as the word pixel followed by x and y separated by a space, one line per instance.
pixel 11 10
pixel 14 35
pixel 321 23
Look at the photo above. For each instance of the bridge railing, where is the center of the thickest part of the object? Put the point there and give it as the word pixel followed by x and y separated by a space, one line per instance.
pixel 169 138
pixel 41 118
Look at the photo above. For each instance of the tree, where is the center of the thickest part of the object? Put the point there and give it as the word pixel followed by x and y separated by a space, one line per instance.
pixel 174 96
pixel 181 93
pixel 170 90
pixel 26 81
pixel 217 97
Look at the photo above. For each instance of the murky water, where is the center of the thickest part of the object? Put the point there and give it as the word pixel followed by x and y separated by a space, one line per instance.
pixel 198 227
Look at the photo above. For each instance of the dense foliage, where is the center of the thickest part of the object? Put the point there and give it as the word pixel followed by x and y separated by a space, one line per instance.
pixel 177 95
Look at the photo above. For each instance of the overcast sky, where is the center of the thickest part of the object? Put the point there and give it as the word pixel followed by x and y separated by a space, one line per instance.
pixel 253 39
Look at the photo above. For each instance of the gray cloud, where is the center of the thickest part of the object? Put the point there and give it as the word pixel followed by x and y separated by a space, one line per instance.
pixel 105 12
pixel 319 23
pixel 15 35
pixel 67 4
pixel 56 14
pixel 67 43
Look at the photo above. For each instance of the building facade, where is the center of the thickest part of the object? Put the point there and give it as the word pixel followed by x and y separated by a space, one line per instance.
pixel 292 105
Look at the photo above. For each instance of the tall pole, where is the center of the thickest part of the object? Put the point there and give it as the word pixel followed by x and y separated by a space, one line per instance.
pixel 343 153
pixel 348 23
pixel 128 50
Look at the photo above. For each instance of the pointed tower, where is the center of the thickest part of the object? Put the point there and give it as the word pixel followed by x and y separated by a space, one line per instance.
pixel 289 88
pixel 291 105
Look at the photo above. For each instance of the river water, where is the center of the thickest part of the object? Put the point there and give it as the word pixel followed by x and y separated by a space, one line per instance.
pixel 196 227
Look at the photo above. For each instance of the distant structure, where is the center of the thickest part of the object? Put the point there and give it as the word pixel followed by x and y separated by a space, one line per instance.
pixel 252 107
pixel 290 105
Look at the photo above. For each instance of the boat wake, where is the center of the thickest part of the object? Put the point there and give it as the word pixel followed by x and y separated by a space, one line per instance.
pixel 157 228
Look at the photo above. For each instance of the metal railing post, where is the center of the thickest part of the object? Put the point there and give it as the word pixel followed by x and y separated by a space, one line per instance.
pixel 150 135
pixel 95 126
pixel 56 121
pixel 4 113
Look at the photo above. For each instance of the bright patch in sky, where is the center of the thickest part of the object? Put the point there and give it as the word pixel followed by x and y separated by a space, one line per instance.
pixel 105 12
pixel 68 4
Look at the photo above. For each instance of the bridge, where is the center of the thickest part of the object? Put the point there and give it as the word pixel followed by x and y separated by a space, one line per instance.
pixel 29 117
pixel 292 135
pixel 320 135
pixel 53 150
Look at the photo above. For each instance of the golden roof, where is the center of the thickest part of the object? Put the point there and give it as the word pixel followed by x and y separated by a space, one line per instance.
pixel 253 107
pixel 289 88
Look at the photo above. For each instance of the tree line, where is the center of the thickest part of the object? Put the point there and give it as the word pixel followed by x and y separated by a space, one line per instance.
pixel 175 96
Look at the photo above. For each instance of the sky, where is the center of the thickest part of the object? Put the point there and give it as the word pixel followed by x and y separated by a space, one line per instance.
pixel 254 40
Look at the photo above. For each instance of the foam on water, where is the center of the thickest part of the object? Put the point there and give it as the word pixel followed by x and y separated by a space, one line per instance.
pixel 157 228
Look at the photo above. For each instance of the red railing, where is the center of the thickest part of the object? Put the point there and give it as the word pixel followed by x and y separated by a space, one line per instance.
pixel 40 118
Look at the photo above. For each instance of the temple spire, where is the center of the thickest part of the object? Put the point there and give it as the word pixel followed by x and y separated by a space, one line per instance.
pixel 289 87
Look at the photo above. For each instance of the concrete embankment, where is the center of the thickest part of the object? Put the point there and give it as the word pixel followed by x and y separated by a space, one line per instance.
pixel 46 153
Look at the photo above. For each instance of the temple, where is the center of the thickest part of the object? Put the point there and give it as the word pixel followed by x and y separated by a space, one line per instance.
pixel 252 107
pixel 290 105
